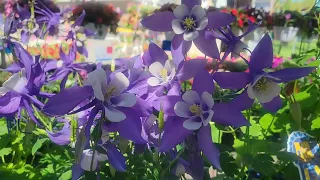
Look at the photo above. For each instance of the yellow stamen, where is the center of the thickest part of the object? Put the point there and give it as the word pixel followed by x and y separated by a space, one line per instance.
pixel 81 36
pixel 195 109
pixel 30 24
pixel 109 92
pixel 164 73
pixel 261 84
pixel 189 23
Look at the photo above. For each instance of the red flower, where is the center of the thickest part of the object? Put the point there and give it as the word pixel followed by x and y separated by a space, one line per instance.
pixel 241 16
pixel 252 19
pixel 234 12
pixel 99 20
pixel 225 10
pixel 240 23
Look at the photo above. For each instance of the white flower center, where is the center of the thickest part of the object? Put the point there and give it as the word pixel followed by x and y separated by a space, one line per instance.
pixel 59 63
pixel 30 25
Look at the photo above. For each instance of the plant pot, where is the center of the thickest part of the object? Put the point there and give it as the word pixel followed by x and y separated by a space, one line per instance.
pixel 101 31
pixel 236 31
pixel 285 34
pixel 312 38
pixel 255 35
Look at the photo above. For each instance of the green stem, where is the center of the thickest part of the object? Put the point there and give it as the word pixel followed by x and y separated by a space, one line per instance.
pixel 32 160
pixel 40 118
pixel 268 129
pixel 2 158
pixel 96 139
pixel 79 79
pixel 32 8
pixel 246 143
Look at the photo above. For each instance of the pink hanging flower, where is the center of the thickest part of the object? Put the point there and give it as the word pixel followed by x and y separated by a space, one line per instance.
pixel 277 61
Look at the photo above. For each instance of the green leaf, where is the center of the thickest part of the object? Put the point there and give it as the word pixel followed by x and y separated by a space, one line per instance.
pixel 3 127
pixel 314 63
pixel 228 164
pixel 19 138
pixel 66 176
pixel 38 145
pixel 79 147
pixel 291 172
pixel 123 144
pixel 39 132
pixel 308 98
pixel 286 156
pixel 263 163
pixel 239 146
pixel 214 133
pixel 112 170
pixel 296 113
pixel 290 64
pixel 265 121
pixel 315 123
pixel 5 152
pixel 27 144
pixel 254 129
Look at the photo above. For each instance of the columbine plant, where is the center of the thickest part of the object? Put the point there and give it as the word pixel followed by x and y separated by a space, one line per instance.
pixel 146 106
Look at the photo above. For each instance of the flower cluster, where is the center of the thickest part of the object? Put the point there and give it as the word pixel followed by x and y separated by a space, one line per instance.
pixel 99 14
pixel 145 100
pixel 243 16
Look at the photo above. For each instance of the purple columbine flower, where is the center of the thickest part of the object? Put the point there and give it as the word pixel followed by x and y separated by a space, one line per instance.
pixel 189 22
pixel 10 26
pixel 61 137
pixel 165 74
pixel 79 34
pixel 111 154
pixel 234 44
pixel 108 94
pixel 88 158
pixel 259 83
pixel 182 165
pixel 133 68
pixel 28 25
pixel 65 66
pixel 17 93
pixel 192 112
pixel 111 94
pixel 48 18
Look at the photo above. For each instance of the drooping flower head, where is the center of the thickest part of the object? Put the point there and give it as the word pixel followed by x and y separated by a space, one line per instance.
pixel 20 90
pixel 234 44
